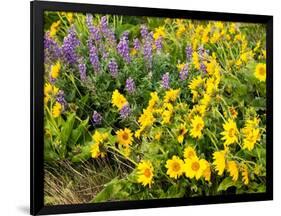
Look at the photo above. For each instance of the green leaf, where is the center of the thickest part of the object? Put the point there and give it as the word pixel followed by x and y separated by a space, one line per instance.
pixel 110 191
pixel 84 155
pixel 67 128
pixel 76 133
pixel 225 184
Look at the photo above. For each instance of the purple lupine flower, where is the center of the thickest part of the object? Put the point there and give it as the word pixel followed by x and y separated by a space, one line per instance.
pixel 107 32
pixel 61 99
pixel 94 31
pixel 104 24
pixel 158 43
pixel 201 50
pixel 184 72
pixel 97 118
pixel 123 47
pixel 70 42
pixel 203 67
pixel 103 51
pixel 82 69
pixel 94 59
pixel 52 51
pixel 144 31
pixel 113 68
pixel 125 111
pixel 166 81
pixel 130 85
pixel 188 51
pixel 137 45
pixel 147 49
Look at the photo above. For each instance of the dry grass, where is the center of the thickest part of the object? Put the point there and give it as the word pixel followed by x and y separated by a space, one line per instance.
pixel 66 183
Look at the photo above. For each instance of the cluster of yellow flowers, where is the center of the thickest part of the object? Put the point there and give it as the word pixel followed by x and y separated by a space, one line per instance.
pixel 118 99
pixel 192 166
pixel 251 135
pixel 98 140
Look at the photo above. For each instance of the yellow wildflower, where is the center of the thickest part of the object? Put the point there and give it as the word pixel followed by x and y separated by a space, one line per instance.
pixel 232 168
pixel 219 161
pixel 230 133
pixel 197 125
pixel 54 28
pixel 181 133
pixel 194 167
pixel 145 173
pixel 171 95
pixel 118 99
pixel 245 174
pixel 55 69
pixel 159 32
pixel 260 72
pixel 57 110
pixel 175 167
pixel 189 152
pixel 124 137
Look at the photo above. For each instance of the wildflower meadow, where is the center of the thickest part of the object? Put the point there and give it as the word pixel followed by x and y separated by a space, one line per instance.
pixel 142 108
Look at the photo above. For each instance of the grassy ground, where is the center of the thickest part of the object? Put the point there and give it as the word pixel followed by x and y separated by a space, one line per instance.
pixel 66 183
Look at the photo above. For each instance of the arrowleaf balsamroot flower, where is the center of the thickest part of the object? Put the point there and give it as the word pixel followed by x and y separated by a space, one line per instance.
pixel 189 152
pixel 233 170
pixel 57 109
pixel 194 167
pixel 171 95
pixel 219 161
pixel 260 72
pixel 145 173
pixel 245 174
pixel 55 70
pixel 251 133
pixel 175 167
pixel 124 137
pixel 230 133
pixel 118 99
pixel 197 125
pixel 181 132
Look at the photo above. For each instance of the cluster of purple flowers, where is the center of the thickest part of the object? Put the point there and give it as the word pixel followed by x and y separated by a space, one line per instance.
pixel 203 67
pixel 82 69
pixel 52 51
pixel 188 52
pixel 94 31
pixel 96 118
pixel 125 111
pixel 144 31
pixel 113 68
pixel 130 85
pixel 137 44
pixel 147 49
pixel 107 32
pixel 60 98
pixel 158 43
pixel 94 58
pixel 123 47
pixel 69 46
pixel 184 72
pixel 166 81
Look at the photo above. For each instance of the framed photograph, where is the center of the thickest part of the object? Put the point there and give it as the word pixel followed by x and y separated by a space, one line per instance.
pixel 141 107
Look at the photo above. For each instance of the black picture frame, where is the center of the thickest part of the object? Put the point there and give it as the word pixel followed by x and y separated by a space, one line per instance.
pixel 36 104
